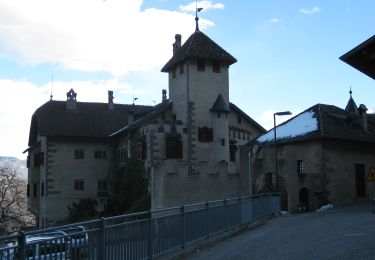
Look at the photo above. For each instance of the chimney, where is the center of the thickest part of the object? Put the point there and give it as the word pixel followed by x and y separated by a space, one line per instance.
pixel 164 95
pixel 110 100
pixel 177 43
pixel 363 111
pixel 71 100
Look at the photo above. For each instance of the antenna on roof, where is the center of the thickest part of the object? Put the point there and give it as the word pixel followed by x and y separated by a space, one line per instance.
pixel 51 96
pixel 350 91
pixel 134 98
pixel 197 10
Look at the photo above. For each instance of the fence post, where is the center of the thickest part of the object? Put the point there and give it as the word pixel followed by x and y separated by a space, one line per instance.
pixel 150 235
pixel 208 219
pixel 241 220
pixel 21 239
pixel 101 243
pixel 182 211
pixel 226 214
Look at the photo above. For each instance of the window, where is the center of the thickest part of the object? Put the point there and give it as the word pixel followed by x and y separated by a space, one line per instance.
pixel 201 65
pixel 35 190
pixel 239 119
pixel 174 147
pixel 100 154
pixel 218 115
pixel 216 66
pixel 28 190
pixel 42 190
pixel 102 185
pixel 268 180
pixel 160 129
pixel 205 134
pixel 38 159
pixel 79 154
pixel 174 72
pixel 181 68
pixel 222 141
pixel 142 150
pixel 300 167
pixel 79 185
pixel 232 151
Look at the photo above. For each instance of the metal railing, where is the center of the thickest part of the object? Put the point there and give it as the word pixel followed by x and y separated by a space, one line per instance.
pixel 141 235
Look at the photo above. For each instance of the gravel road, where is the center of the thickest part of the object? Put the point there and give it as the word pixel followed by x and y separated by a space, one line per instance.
pixel 346 232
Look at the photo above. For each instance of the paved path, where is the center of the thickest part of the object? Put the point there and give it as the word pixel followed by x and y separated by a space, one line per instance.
pixel 340 233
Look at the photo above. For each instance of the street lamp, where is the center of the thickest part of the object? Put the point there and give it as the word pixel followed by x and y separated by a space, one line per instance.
pixel 284 113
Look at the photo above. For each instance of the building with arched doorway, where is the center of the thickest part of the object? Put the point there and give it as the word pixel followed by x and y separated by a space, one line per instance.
pixel 325 154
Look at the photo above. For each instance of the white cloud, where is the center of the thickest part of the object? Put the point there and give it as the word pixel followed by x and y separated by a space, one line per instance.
pixel 276 20
pixel 266 118
pixel 310 11
pixel 206 5
pixel 17 108
pixel 91 35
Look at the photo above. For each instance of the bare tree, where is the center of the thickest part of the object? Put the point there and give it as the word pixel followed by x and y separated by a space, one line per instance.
pixel 13 199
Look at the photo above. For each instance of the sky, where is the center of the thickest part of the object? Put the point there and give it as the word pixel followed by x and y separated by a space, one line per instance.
pixel 287 51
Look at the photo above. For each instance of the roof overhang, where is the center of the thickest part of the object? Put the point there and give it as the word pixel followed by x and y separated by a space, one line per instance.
pixel 362 57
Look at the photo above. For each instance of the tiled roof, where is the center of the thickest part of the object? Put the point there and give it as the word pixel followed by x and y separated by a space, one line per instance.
pixel 88 120
pixel 198 45
pixel 157 110
pixel 334 123
pixel 246 117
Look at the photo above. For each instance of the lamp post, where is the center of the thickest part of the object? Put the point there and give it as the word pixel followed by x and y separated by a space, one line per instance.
pixel 284 113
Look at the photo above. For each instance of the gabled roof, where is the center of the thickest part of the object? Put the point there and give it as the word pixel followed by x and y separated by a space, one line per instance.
pixel 198 45
pixel 88 120
pixel 362 57
pixel 246 117
pixel 322 121
pixel 220 105
pixel 157 110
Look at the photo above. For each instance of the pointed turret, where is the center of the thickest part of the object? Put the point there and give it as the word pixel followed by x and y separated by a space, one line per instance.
pixel 351 106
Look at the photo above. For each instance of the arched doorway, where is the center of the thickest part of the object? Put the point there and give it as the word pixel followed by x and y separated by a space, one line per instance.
pixel 303 200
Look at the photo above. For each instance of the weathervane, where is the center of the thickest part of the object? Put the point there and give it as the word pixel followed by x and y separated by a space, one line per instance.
pixel 197 10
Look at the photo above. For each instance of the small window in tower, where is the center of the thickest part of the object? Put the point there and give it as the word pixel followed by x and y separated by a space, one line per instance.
pixel 205 134
pixel 201 65
pixel 216 66
pixel 79 185
pixel 218 115
pixel 79 154
pixel 299 167
pixel 181 68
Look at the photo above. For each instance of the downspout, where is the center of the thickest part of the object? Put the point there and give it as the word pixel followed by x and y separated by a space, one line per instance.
pixel 250 174
pixel 189 141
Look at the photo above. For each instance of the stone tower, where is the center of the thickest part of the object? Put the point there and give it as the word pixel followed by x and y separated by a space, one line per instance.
pixel 199 90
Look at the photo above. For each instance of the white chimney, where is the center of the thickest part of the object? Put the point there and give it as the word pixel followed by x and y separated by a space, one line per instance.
pixel 363 111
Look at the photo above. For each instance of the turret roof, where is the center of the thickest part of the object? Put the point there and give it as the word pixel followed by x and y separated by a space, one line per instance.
pixel 198 45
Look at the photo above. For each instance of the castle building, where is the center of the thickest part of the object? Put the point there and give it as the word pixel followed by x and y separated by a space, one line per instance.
pixel 189 142
pixel 325 155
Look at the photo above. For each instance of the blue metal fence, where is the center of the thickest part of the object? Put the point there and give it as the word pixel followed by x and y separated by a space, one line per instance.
pixel 140 235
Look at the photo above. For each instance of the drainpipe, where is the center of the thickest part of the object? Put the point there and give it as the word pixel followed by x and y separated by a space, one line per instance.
pixel 189 141
pixel 250 174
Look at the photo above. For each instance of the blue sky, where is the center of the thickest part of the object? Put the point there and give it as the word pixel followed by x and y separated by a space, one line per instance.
pixel 287 51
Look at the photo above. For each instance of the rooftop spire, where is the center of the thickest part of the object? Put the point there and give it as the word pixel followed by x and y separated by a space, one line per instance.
pixel 197 10
pixel 351 105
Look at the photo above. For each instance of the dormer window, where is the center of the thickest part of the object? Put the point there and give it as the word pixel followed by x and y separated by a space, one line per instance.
pixel 201 65
pixel 216 66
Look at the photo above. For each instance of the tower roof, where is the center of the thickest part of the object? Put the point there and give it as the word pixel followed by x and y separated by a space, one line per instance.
pixel 220 105
pixel 351 106
pixel 199 45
